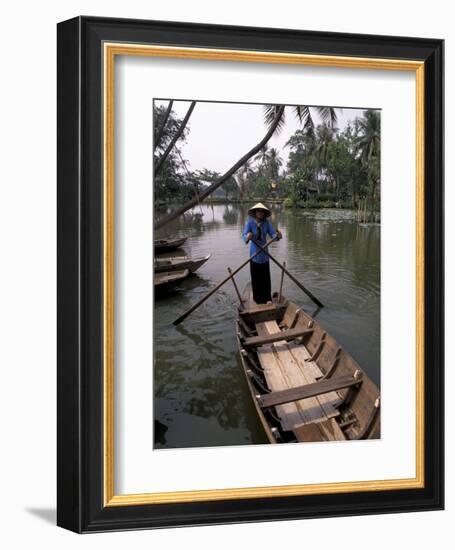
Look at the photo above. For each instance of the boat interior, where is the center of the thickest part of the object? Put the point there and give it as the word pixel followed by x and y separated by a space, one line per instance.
pixel 305 386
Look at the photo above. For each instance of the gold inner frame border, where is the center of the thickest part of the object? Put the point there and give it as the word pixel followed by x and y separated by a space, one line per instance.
pixel 110 51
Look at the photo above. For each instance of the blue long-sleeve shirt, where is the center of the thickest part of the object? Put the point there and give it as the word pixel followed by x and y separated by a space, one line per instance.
pixel 266 228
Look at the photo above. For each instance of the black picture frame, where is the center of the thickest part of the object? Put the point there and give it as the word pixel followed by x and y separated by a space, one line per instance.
pixel 80 476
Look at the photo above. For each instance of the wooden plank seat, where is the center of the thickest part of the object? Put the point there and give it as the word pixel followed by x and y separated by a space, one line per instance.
pixel 281 335
pixel 304 392
pixel 255 308
pixel 258 313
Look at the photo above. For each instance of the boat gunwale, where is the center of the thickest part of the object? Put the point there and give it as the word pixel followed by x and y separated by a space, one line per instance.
pixel 350 364
pixel 192 264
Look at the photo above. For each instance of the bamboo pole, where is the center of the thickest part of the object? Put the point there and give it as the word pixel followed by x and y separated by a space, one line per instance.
pixel 281 283
pixel 235 286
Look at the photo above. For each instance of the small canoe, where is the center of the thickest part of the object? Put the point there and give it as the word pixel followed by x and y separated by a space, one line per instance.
pixel 167 280
pixel 164 245
pixel 304 385
pixel 179 263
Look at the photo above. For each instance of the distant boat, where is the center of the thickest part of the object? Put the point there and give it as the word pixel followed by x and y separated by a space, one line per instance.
pixel 166 280
pixel 178 263
pixel 304 385
pixel 164 245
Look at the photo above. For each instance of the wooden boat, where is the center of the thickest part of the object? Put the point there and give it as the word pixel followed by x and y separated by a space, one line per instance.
pixel 304 385
pixel 178 263
pixel 168 279
pixel 164 245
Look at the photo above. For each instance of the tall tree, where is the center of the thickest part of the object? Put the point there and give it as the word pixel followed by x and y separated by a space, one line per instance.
pixel 324 139
pixel 269 162
pixel 159 163
pixel 369 147
pixel 262 156
pixel 195 200
pixel 242 177
pixel 173 180
pixel 274 163
pixel 160 125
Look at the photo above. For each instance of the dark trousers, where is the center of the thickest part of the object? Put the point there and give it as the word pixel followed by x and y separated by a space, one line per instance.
pixel 260 282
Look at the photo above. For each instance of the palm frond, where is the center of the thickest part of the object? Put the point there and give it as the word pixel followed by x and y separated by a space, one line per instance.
pixel 303 114
pixel 328 115
pixel 270 112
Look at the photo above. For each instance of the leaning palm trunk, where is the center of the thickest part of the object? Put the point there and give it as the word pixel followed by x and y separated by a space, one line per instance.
pixel 196 200
pixel 160 132
pixel 174 140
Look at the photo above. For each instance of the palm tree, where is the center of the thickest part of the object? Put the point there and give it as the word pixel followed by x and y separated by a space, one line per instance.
pixel 270 161
pixel 275 120
pixel 263 156
pixel 242 177
pixel 369 140
pixel 211 188
pixel 368 146
pixel 274 163
pixel 304 113
pixel 178 134
pixel 325 136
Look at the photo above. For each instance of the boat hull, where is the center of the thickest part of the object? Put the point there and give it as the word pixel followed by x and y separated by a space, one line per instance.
pixel 266 425
pixel 168 280
pixel 166 245
pixel 177 264
pixel 304 386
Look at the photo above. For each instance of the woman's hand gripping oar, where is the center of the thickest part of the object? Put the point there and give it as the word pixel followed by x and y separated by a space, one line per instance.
pixel 219 285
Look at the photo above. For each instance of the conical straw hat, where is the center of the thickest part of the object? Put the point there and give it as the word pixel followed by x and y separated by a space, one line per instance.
pixel 259 206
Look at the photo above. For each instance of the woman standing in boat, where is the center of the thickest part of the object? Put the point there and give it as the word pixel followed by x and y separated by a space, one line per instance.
pixel 257 229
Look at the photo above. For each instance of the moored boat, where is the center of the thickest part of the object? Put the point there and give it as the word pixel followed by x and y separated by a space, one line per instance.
pixel 178 263
pixel 304 385
pixel 165 245
pixel 167 280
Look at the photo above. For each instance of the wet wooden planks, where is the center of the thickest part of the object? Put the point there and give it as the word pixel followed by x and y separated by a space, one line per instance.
pixel 285 367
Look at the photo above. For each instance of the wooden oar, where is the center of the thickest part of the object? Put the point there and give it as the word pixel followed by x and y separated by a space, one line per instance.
pixel 298 283
pixel 219 285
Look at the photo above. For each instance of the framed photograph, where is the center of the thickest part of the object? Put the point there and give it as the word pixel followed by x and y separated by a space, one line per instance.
pixel 250 274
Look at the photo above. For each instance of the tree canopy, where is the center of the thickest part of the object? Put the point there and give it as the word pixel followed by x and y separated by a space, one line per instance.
pixel 325 166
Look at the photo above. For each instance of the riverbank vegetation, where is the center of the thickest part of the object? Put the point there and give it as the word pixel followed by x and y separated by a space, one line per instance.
pixel 326 167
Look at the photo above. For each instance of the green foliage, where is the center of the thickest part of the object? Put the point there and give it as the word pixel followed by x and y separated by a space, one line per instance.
pixel 230 188
pixel 174 182
pixel 262 186
pixel 326 168
pixel 288 202
pixel 325 197
pixel 315 203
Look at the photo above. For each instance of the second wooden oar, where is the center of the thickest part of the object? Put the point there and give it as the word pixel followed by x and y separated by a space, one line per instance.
pixel 298 283
pixel 219 285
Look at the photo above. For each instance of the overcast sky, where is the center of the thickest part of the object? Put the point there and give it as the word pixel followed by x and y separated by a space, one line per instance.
pixel 221 133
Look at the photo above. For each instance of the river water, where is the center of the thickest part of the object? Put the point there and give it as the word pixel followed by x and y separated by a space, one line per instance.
pixel 200 394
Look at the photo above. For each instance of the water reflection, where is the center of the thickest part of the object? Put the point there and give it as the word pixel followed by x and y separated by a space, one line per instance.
pixel 200 395
pixel 230 215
